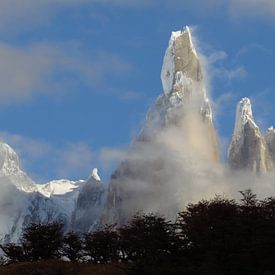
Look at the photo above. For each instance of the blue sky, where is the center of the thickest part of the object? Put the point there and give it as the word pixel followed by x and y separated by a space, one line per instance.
pixel 78 76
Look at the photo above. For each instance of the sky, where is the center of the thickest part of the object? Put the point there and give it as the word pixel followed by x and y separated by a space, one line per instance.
pixel 78 76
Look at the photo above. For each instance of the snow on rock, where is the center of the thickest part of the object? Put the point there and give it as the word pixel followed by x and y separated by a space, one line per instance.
pixel 10 170
pixel 95 175
pixel 57 187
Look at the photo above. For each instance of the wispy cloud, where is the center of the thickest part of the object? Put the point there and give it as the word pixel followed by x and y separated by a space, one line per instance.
pixel 217 67
pixel 53 69
pixel 229 74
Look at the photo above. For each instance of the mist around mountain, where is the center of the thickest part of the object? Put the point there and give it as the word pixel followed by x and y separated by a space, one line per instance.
pixel 174 160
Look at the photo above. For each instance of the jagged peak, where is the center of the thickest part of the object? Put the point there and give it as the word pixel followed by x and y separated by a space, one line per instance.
pixel 180 56
pixel 186 31
pixel 244 115
pixel 95 175
pixel 9 160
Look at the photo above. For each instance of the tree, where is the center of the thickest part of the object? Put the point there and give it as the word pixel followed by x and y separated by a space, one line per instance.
pixel 151 243
pixel 72 246
pixel 211 230
pixel 43 241
pixel 102 245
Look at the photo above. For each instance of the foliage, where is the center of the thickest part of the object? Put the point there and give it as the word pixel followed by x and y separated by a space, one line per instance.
pixel 43 241
pixel 101 246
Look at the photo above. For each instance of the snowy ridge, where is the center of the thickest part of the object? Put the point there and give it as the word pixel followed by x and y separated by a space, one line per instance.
pixel 56 187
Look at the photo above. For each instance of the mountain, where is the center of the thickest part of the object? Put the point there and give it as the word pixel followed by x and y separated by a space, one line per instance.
pixel 173 160
pixel 22 201
pixel 178 126
pixel 183 91
pixel 11 172
pixel 249 149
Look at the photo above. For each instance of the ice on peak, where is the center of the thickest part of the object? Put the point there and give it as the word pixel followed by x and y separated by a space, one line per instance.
pixel 95 175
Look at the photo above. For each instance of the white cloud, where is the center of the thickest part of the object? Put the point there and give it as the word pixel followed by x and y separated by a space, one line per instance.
pixel 216 56
pixel 33 69
pixel 230 74
pixel 216 67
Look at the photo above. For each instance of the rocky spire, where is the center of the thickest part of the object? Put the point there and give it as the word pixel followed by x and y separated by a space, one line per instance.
pixel 248 149
pixel 183 111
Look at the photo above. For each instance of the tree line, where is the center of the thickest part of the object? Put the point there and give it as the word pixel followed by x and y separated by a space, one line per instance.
pixel 218 236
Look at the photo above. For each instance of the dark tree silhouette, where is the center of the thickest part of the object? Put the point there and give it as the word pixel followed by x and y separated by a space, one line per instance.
pixel 150 242
pixel 102 245
pixel 43 241
pixel 72 246
pixel 210 229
